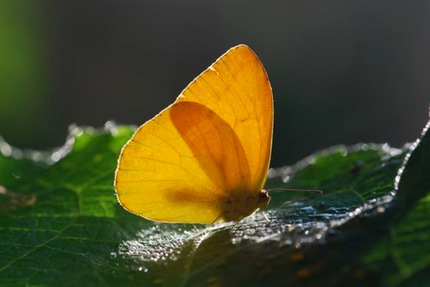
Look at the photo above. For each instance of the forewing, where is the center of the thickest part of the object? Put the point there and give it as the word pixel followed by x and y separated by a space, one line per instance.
pixel 237 89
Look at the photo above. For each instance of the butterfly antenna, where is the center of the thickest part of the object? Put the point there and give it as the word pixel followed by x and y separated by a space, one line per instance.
pixel 317 191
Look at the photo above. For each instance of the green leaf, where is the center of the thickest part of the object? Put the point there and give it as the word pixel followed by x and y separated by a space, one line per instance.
pixel 60 223
pixel 403 255
pixel 66 236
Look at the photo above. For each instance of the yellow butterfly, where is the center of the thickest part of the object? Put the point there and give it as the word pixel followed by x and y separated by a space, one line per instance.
pixel 204 158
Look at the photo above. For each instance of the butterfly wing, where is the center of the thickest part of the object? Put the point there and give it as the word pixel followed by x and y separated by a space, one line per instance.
pixel 214 140
pixel 237 89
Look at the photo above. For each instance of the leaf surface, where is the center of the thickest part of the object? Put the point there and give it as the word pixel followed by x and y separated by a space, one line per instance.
pixel 68 229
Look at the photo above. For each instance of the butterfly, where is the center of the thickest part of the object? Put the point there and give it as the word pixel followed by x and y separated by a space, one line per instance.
pixel 204 158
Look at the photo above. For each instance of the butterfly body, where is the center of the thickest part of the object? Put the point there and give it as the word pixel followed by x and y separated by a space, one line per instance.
pixel 240 206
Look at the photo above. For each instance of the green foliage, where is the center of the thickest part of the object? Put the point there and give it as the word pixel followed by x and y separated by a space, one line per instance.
pixel 26 73
pixel 60 223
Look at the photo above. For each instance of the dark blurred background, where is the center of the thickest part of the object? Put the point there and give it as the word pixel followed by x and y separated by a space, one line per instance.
pixel 342 71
